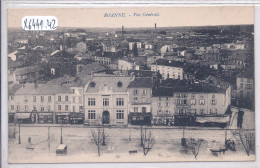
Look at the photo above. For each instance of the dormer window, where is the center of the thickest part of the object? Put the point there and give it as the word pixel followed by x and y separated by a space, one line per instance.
pixel 92 84
pixel 119 84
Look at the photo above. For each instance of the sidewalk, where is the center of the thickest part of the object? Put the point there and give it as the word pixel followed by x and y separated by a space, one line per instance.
pixel 248 123
pixel 126 127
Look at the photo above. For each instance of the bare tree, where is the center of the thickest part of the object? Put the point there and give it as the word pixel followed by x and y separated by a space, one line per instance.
pixel 147 141
pixel 130 134
pixel 247 139
pixel 97 139
pixel 193 146
pixel 142 136
pixel 11 132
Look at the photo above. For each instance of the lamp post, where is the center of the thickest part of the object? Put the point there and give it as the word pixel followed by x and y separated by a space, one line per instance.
pixel 61 135
pixel 103 134
pixel 19 137
pixel 49 139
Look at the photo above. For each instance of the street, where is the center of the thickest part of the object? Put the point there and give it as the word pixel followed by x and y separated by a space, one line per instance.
pixel 124 143
pixel 119 141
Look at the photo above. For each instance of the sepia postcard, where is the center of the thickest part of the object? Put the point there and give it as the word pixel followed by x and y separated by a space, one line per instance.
pixel 131 84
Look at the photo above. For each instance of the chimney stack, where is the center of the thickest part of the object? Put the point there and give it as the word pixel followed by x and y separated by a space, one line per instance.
pixel 132 76
pixel 155 30
pixel 122 32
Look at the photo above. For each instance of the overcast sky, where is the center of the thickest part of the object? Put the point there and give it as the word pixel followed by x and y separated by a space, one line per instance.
pixel 169 16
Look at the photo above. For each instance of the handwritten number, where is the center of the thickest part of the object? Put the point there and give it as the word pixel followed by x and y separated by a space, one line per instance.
pixel 51 24
pixel 39 24
pixel 54 21
pixel 25 24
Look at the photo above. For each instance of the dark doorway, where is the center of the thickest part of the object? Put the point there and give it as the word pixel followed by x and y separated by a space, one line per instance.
pixel 105 117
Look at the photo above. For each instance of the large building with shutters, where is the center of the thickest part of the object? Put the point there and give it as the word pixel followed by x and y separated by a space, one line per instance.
pixel 183 102
pixel 48 103
pixel 106 100
pixel 140 99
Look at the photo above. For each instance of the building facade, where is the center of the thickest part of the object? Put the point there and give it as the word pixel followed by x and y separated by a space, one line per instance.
pixel 163 106
pixel 140 99
pixel 106 100
pixel 168 69
pixel 48 103
pixel 245 88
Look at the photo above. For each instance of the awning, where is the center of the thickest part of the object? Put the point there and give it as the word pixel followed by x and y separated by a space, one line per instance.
pixel 60 114
pixel 22 115
pixel 217 119
pixel 164 117
pixel 45 114
pixel 76 115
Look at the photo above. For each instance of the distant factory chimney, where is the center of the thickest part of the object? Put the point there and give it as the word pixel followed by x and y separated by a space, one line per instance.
pixel 155 29
pixel 122 32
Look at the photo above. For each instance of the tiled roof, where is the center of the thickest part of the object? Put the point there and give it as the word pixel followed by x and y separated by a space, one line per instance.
pixel 25 70
pixel 141 83
pixel 42 89
pixel 142 73
pixel 61 80
pixel 108 83
pixel 14 64
pixel 169 63
pixel 163 91
pixel 248 73
pixel 217 82
pixel 198 88
pixel 105 54
pixel 14 88
pixel 189 86
pixel 79 81
pixel 93 67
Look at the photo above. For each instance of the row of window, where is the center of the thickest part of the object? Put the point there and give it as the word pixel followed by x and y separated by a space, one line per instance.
pixel 248 80
pixel 247 94
pixel 247 86
pixel 185 102
pixel 166 98
pixel 160 112
pixel 167 104
pixel 42 108
pixel 143 99
pixel 195 111
pixel 92 114
pixel 173 75
pixel 143 92
pixel 49 99
pixel 93 84
pixel 185 96
pixel 119 101
pixel 143 109
pixel 193 102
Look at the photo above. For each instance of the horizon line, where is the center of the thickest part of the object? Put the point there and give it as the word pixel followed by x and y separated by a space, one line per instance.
pixel 152 27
